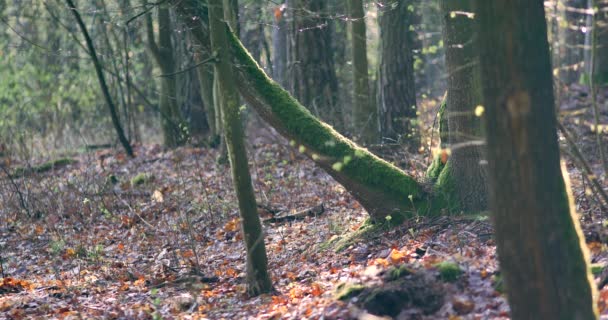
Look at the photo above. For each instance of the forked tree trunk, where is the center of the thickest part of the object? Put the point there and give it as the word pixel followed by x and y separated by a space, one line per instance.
pixel 539 241
pixel 258 280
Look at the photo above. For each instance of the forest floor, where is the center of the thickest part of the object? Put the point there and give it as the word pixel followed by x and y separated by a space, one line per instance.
pixel 157 237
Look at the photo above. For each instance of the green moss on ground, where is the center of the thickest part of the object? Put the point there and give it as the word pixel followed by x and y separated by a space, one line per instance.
pixel 597 268
pixel 345 291
pixel 44 167
pixel 367 230
pixel 448 271
pixel 400 289
pixel 395 273
pixel 141 178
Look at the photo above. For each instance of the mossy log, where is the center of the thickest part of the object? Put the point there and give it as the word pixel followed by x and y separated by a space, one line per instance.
pixel 380 187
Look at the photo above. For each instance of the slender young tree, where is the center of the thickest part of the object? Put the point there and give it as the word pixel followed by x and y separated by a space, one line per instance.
pixel 539 242
pixel 279 44
pixel 396 94
pixel 258 280
pixel 102 80
pixel 365 117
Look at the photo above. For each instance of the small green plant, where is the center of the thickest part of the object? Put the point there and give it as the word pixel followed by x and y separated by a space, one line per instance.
pixel 156 302
pixel 448 271
pixel 57 246
pixel 141 178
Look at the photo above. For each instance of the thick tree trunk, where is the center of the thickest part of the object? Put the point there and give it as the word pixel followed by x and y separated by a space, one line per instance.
pixel 464 177
pixel 311 62
pixel 258 280
pixel 396 94
pixel 538 238
pixel 365 116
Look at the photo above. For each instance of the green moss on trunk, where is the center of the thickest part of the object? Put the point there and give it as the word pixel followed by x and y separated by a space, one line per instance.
pixel 380 187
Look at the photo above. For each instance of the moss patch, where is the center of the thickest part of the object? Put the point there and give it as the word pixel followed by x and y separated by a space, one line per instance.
pixel 400 289
pixel 448 271
pixel 141 178
pixel 44 167
pixel 597 268
pixel 367 230
pixel 345 291
pixel 341 157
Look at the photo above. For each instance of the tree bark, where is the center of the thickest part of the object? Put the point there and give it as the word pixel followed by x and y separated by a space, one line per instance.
pixel 365 116
pixel 102 80
pixel 464 178
pixel 258 280
pixel 396 94
pixel 311 62
pixel 540 247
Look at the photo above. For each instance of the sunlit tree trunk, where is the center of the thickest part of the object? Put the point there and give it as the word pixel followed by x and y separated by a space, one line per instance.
pixel 396 94
pixel 258 280
pixel 464 177
pixel 539 242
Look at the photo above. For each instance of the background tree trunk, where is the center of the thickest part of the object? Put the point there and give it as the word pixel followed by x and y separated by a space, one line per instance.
pixel 365 116
pixel 538 238
pixel 258 280
pixel 162 52
pixel 571 40
pixel 311 62
pixel 464 177
pixel 396 94
pixel 279 44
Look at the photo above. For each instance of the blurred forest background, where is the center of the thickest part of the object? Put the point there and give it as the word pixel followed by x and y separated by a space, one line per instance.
pixel 118 134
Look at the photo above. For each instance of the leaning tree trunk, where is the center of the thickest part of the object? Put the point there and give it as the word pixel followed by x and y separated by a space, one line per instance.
pixel 464 178
pixel 310 60
pixel 258 280
pixel 365 116
pixel 396 95
pixel 381 188
pixel 539 241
